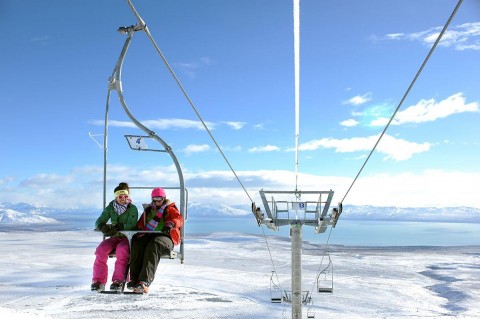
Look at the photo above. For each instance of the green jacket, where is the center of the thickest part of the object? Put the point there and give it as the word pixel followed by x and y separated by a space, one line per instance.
pixel 127 219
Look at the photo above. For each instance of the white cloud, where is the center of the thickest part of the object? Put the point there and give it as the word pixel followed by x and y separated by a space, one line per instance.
pixel 460 37
pixel 399 149
pixel 7 179
pixel 349 123
pixel 236 125
pixel 40 181
pixel 430 188
pixel 359 99
pixel 430 110
pixel 112 123
pixel 190 68
pixel 82 187
pixel 162 124
pixel 266 148
pixel 190 149
pixel 395 36
pixel 394 148
pixel 165 124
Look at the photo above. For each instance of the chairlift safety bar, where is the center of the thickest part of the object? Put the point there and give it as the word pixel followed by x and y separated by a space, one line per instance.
pixel 138 143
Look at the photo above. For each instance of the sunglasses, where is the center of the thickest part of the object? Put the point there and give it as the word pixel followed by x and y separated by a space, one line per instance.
pixel 122 196
pixel 157 199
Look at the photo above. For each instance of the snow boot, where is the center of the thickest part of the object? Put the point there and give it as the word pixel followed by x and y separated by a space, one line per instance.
pixel 116 285
pixel 131 284
pixel 97 286
pixel 141 287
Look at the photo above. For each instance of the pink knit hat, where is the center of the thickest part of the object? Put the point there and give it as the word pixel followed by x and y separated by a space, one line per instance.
pixel 158 192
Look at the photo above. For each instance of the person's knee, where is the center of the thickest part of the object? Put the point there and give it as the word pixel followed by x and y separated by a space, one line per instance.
pixel 102 251
pixel 122 253
pixel 164 244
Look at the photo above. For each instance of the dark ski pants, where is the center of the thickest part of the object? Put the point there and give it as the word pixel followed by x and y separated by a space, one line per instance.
pixel 145 255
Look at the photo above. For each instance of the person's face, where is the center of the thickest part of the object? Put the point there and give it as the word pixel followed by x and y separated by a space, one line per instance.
pixel 157 200
pixel 122 199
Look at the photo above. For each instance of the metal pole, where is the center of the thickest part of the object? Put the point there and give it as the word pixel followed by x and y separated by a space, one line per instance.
pixel 296 240
pixel 105 149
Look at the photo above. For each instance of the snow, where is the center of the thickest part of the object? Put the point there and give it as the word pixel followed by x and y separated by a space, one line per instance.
pixel 11 216
pixel 226 275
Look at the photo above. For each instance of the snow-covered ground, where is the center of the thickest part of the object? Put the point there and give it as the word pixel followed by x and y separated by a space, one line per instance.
pixel 227 275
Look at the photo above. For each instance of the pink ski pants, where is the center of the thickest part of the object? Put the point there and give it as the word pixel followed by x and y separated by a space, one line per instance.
pixel 100 268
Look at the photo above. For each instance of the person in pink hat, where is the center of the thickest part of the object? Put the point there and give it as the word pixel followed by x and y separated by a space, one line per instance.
pixel 123 216
pixel 161 215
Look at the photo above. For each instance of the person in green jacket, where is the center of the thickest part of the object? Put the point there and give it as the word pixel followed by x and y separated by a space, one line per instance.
pixel 123 216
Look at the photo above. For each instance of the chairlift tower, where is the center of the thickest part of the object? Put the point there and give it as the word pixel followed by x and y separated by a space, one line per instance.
pixel 296 209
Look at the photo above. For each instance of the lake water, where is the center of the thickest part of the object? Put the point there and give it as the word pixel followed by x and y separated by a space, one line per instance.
pixel 347 232
pixel 356 233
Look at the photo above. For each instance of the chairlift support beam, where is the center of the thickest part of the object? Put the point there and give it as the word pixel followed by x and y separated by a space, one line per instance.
pixel 310 212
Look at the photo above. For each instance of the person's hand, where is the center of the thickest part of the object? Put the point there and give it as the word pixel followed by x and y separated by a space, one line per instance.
pixel 109 230
pixel 120 226
pixel 105 228
pixel 167 227
pixel 99 227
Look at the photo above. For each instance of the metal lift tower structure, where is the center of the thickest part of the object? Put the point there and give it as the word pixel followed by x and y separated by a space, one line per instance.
pixel 297 209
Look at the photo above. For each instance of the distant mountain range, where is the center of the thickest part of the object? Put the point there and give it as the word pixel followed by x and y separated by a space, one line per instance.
pixel 27 216
pixel 444 214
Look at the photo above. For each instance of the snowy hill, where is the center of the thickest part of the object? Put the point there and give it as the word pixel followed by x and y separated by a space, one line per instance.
pixel 9 216
pixel 23 214
pixel 227 276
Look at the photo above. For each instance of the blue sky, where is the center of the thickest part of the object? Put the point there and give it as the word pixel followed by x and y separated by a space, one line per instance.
pixel 235 60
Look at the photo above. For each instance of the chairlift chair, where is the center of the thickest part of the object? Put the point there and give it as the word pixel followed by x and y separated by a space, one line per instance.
pixel 275 292
pixel 138 142
pixel 325 277
pixel 310 311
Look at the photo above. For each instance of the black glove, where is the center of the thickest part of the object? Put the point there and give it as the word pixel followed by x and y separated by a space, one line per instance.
pixel 120 226
pixel 99 227
pixel 109 230
pixel 167 227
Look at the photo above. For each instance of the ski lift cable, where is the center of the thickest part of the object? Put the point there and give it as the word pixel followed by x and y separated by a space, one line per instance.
pixel 406 94
pixel 145 28
pixel 391 119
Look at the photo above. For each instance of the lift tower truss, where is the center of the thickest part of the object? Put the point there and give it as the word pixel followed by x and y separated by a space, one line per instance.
pixel 296 208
